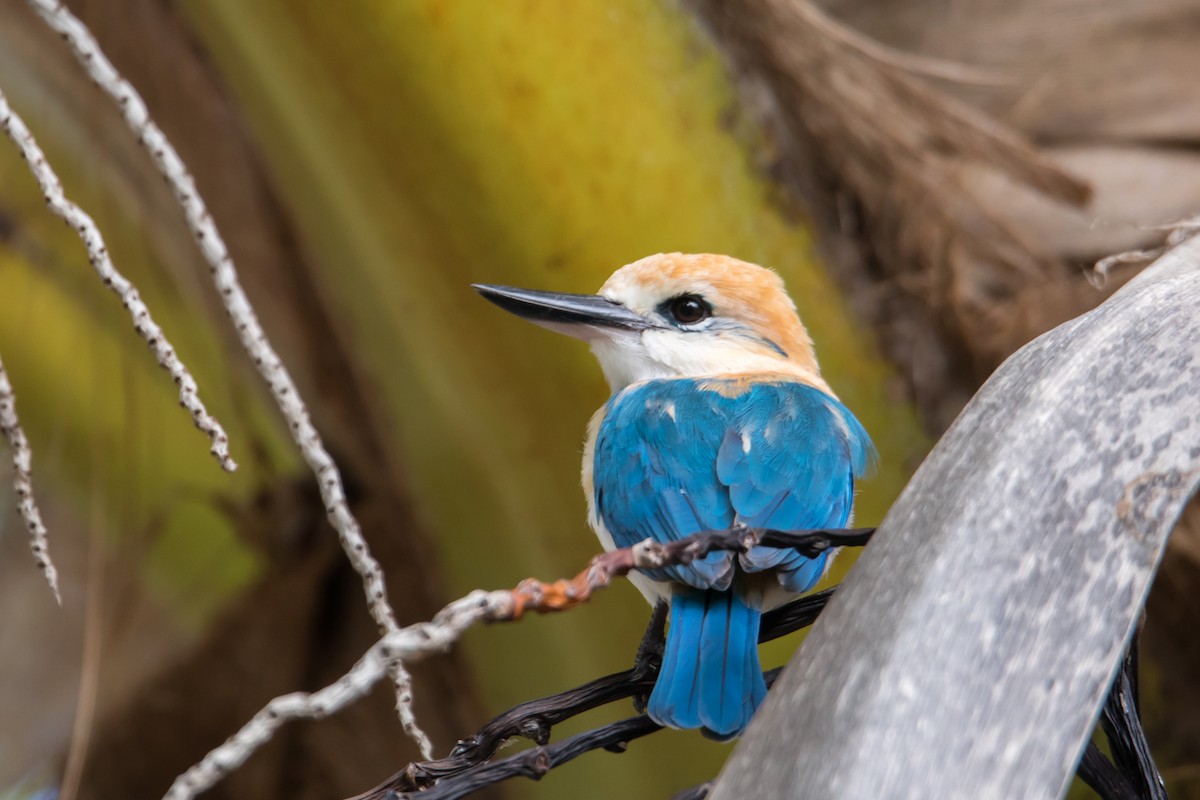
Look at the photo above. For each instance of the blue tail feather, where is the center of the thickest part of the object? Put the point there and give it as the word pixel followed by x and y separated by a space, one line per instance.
pixel 673 702
pixel 710 676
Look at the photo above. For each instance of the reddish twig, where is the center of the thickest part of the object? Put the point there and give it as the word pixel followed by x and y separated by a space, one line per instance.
pixel 533 595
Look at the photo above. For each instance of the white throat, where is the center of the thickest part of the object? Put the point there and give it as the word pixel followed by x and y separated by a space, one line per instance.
pixel 655 354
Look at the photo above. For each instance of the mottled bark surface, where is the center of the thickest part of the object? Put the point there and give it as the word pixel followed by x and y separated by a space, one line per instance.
pixel 970 649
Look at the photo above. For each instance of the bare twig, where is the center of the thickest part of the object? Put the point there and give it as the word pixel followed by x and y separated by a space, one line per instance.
pixel 144 324
pixel 534 720
pixel 1176 233
pixel 425 638
pixel 16 130
pixel 98 255
pixel 536 762
pixel 22 458
pixel 253 338
pixel 405 644
pixel 564 594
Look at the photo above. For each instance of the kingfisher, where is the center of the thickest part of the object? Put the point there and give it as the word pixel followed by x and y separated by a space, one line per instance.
pixel 718 417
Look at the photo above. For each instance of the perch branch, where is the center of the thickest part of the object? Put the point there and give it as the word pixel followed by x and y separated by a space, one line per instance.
pixel 22 458
pixel 536 762
pixel 533 720
pixel 448 625
pixel 564 594
pixel 253 338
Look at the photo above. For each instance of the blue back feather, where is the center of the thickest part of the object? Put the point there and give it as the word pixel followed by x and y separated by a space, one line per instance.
pixel 675 457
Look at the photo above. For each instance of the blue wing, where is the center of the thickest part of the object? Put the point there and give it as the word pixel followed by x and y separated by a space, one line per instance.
pixel 675 457
pixel 655 472
pixel 790 460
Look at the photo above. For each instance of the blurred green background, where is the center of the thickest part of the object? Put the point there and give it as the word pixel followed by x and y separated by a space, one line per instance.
pixel 405 150
pixel 366 161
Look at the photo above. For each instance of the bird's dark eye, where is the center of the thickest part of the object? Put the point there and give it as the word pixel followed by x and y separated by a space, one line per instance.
pixel 688 309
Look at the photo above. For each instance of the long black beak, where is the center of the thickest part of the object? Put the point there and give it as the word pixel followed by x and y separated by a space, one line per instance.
pixel 573 314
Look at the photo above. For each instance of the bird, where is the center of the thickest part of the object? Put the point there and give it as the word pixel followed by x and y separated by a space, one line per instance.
pixel 718 417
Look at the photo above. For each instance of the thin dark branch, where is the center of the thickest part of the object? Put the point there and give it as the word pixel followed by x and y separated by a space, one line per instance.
pixel 655 635
pixel 811 542
pixel 650 651
pixel 536 762
pixel 1103 777
pixel 1122 725
pixel 534 719
pixel 793 616
pixel 814 542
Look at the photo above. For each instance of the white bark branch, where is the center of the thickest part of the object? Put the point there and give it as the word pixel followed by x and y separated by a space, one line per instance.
pixel 404 644
pixel 22 459
pixel 16 130
pixel 253 338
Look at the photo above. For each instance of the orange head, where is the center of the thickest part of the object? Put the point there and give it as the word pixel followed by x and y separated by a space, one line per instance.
pixel 680 315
